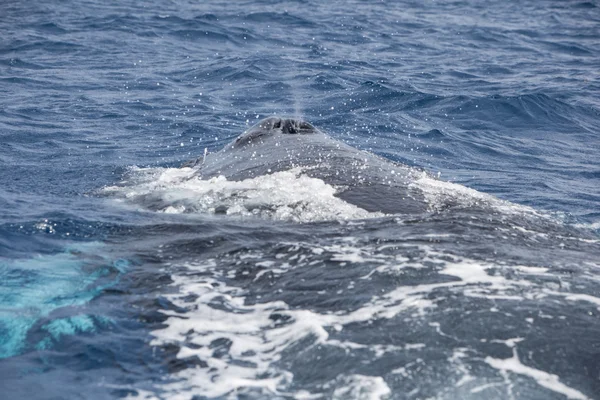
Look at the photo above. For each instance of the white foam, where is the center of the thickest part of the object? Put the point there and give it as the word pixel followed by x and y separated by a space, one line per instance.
pixel 593 226
pixel 361 387
pixel 575 297
pixel 212 324
pixel 440 194
pixel 549 381
pixel 257 343
pixel 287 195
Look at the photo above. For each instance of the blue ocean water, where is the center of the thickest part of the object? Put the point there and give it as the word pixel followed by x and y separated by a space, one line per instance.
pixel 498 97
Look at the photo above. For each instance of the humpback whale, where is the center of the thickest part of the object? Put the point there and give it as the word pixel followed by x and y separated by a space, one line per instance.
pixel 506 273
pixel 278 144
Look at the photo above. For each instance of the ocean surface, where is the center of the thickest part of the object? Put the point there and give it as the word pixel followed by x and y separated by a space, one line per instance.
pixel 125 275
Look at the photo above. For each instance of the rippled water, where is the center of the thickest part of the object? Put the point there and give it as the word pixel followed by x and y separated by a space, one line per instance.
pixel 122 276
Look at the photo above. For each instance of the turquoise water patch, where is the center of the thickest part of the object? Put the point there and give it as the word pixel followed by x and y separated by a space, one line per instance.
pixel 68 326
pixel 31 289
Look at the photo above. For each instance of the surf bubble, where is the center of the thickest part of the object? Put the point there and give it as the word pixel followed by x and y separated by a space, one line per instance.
pixel 361 387
pixel 549 381
pixel 442 194
pixel 248 346
pixel 240 345
pixel 286 195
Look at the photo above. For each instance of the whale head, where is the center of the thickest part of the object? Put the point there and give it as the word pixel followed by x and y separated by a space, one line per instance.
pixel 280 144
pixel 273 126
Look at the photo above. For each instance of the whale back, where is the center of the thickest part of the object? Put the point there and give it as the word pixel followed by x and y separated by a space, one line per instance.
pixel 275 144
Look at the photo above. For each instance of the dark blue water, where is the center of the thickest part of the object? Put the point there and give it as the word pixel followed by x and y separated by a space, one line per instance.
pixel 101 297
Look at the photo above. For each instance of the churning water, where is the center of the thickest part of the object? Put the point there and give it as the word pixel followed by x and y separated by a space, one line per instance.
pixel 124 275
